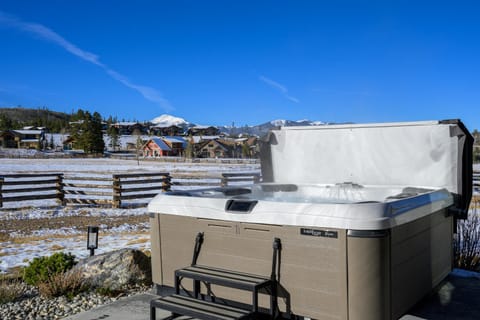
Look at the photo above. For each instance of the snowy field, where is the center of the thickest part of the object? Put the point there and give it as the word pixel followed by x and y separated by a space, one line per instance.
pixel 18 246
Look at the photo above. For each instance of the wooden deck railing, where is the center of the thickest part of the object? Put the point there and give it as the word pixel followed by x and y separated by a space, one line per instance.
pixel 96 190
pixel 150 182
pixel 23 187
pixel 114 190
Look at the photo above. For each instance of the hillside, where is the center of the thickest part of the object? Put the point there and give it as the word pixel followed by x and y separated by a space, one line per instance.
pixel 19 117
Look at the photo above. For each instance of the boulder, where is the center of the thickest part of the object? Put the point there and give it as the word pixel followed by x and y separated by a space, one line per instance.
pixel 117 269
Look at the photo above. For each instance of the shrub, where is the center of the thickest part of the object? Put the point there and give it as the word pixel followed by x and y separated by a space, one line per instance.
pixel 109 292
pixel 67 284
pixel 10 290
pixel 467 241
pixel 44 268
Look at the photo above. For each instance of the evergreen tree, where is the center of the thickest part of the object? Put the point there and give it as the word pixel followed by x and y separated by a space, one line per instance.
pixel 87 133
pixel 98 142
pixel 5 122
pixel 114 136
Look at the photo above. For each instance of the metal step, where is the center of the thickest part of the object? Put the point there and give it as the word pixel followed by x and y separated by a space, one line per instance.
pixel 204 310
pixel 229 278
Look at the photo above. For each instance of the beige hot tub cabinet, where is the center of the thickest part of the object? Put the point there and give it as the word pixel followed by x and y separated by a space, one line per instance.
pixel 365 215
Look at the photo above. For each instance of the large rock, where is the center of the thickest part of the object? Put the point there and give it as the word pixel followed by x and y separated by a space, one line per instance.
pixel 117 269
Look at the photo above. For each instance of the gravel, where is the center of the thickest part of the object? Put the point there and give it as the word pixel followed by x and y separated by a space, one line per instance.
pixel 32 306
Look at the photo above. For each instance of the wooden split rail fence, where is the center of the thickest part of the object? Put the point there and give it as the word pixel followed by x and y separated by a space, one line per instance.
pixel 112 190
pixel 31 187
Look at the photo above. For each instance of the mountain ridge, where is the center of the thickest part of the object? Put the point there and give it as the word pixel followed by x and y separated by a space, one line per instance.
pixel 55 121
pixel 166 120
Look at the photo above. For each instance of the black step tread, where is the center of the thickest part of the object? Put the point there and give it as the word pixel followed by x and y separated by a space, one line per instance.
pixel 223 276
pixel 199 308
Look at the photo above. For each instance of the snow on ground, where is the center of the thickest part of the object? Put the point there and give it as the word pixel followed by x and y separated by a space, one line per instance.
pixel 16 252
pixel 107 165
pixel 37 211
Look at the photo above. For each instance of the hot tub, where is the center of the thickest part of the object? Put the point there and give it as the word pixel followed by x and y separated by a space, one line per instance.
pixel 365 214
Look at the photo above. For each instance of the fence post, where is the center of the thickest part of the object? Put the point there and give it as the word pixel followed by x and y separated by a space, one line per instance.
pixel 117 192
pixel 60 190
pixel 224 181
pixel 1 195
pixel 167 182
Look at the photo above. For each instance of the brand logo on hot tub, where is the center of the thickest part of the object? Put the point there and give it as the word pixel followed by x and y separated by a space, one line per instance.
pixel 318 233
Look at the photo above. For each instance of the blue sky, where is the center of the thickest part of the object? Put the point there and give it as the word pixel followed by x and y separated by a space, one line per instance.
pixel 247 62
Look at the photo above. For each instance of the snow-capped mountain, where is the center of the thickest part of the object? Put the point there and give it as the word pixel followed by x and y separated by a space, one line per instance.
pixel 262 129
pixel 290 123
pixel 166 120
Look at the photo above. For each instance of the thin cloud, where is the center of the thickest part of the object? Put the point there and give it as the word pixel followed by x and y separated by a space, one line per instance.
pixel 147 92
pixel 345 92
pixel 277 86
pixel 49 35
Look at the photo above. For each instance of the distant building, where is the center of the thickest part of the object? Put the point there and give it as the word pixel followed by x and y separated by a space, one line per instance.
pixel 162 130
pixel 22 139
pixel 156 147
pixel 177 144
pixel 165 146
pixel 214 149
pixel 128 128
pixel 203 131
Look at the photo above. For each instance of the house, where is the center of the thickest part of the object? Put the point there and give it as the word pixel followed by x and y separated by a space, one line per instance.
pixel 214 149
pixel 22 139
pixel 226 148
pixel 203 130
pixel 128 128
pixel 165 146
pixel 156 147
pixel 162 130
pixel 200 139
pixel 68 143
pixel 176 144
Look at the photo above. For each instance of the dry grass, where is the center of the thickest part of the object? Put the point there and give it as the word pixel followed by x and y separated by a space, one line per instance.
pixel 10 290
pixel 47 238
pixel 475 203
pixel 63 284
pixel 138 241
pixel 57 247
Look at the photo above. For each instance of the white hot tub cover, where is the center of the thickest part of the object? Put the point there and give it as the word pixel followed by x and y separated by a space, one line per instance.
pixel 431 154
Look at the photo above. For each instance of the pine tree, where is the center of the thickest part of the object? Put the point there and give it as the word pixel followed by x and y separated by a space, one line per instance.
pixel 5 122
pixel 87 133
pixel 114 136
pixel 98 144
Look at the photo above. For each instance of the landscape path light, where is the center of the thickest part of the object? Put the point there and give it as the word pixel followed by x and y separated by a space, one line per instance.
pixel 92 239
